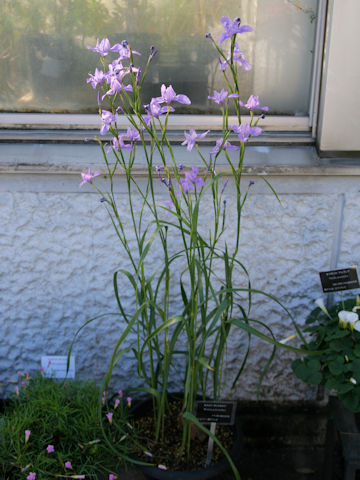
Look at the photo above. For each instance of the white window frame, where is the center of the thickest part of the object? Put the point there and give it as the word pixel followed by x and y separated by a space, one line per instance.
pixel 16 126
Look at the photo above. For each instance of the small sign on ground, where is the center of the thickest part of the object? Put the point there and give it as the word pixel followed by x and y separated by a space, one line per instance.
pixel 55 366
pixel 222 413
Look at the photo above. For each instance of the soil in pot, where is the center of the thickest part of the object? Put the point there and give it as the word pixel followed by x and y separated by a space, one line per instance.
pixel 167 451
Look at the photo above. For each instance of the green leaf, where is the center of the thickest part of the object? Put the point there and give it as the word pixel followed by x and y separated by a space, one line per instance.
pixel 338 333
pixel 357 350
pixel 343 388
pixel 315 378
pixel 147 248
pixel 313 364
pixel 355 367
pixel 337 367
pixel 340 345
pixel 332 383
pixel 204 364
pixel 191 418
pixel 300 370
pixel 351 400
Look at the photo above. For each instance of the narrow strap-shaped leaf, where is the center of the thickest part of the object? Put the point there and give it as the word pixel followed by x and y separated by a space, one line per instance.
pixel 79 330
pixel 167 324
pixel 191 418
pixel 269 361
pixel 261 292
pixel 119 342
pixel 147 248
pixel 245 357
pixel 271 188
pixel 116 290
pixel 244 326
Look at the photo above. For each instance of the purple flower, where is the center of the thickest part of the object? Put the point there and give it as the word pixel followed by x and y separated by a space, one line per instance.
pixel 244 131
pixel 232 28
pixel 225 146
pixel 223 64
pixel 132 134
pixel 129 401
pixel 148 454
pixel 31 476
pixel 224 186
pixel 238 56
pixel 253 103
pixel 96 79
pixel 154 109
pixel 168 95
pixel 120 393
pixel 122 145
pixel 191 137
pixel 112 476
pixel 162 467
pixel 50 449
pixel 221 97
pixel 117 402
pixel 87 177
pixel 153 52
pixel 191 179
pixel 27 435
pixel 123 50
pixel 109 416
pixel 107 118
pixel 116 86
pixel 169 204
pixel 68 465
pixel 103 47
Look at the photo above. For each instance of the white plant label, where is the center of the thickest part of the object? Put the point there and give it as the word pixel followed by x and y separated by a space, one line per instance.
pixel 55 366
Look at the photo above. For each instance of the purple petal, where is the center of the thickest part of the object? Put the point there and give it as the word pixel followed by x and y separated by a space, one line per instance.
pixel 245 28
pixel 223 37
pixel 183 99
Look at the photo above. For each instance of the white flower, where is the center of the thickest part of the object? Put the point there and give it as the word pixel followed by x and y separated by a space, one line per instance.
pixel 320 303
pixel 357 326
pixel 287 339
pixel 348 317
pixel 352 380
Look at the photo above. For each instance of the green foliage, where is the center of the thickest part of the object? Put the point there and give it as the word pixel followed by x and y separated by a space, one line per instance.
pixel 64 414
pixel 338 364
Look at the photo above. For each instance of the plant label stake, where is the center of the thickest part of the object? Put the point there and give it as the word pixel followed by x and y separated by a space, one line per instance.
pixel 216 412
pixel 213 413
pixel 338 280
pixel 210 445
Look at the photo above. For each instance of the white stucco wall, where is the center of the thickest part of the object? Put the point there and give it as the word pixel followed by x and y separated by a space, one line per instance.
pixel 58 253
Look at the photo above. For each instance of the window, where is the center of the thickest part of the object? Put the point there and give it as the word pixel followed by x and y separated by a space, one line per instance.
pixel 45 62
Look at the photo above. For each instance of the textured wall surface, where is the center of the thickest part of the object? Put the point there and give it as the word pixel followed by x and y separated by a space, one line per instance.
pixel 58 252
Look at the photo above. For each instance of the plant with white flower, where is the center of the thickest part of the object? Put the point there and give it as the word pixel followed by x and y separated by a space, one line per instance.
pixel 334 351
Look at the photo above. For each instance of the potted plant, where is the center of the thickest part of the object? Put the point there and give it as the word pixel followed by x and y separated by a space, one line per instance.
pixel 184 312
pixel 333 354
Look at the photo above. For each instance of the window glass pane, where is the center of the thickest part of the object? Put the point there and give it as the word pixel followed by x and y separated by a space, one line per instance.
pixel 45 63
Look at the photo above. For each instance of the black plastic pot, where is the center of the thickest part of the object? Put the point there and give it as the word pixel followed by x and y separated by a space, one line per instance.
pixel 214 471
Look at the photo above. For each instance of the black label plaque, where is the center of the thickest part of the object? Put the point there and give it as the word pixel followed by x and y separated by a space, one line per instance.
pixel 217 412
pixel 337 280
